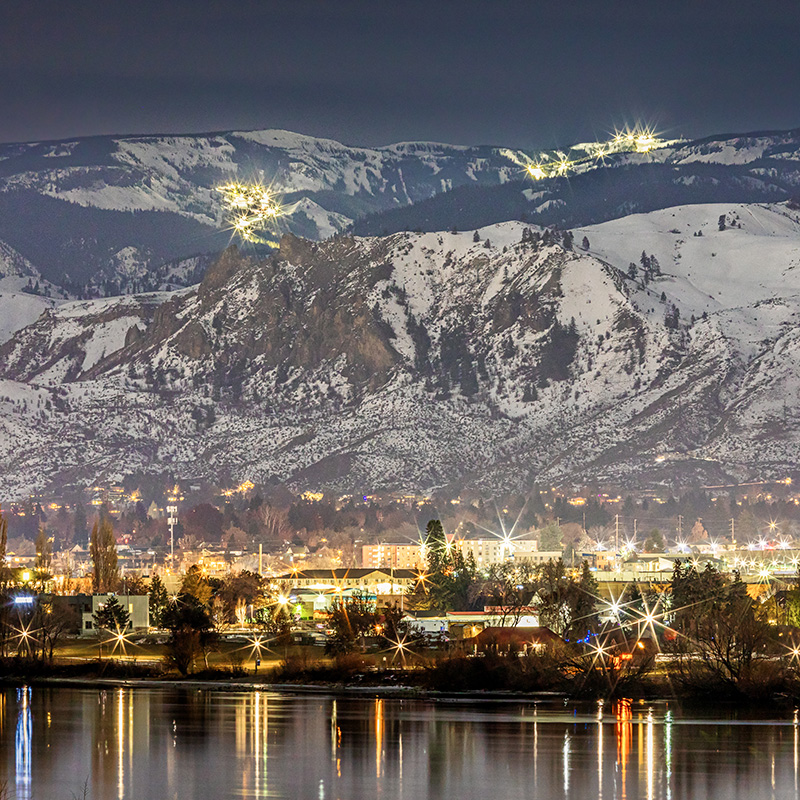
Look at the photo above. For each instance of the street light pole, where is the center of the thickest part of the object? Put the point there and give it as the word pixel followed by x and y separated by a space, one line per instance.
pixel 172 521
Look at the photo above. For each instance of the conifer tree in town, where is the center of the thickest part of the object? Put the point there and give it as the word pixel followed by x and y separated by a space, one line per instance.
pixel 3 540
pixel 103 550
pixel 158 602
pixel 44 552
pixel 111 616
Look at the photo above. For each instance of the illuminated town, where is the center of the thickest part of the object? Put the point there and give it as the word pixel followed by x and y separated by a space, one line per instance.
pixel 558 164
pixel 254 564
pixel 399 401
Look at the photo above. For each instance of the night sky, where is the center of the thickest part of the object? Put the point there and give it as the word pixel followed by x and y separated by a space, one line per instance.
pixel 525 74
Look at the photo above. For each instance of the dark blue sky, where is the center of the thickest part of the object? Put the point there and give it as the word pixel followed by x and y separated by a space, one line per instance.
pixel 526 74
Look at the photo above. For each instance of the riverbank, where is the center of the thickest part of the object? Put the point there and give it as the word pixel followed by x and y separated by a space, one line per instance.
pixel 490 677
pixel 391 684
pixel 252 685
pixel 248 685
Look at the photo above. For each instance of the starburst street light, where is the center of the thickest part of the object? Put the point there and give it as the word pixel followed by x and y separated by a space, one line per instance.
pixel 256 643
pixel 119 640
pixel 399 647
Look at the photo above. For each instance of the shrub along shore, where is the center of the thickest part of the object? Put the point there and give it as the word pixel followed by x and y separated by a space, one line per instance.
pixel 510 675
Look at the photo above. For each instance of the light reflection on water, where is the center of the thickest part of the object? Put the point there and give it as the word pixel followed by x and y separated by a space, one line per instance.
pixel 22 745
pixel 149 744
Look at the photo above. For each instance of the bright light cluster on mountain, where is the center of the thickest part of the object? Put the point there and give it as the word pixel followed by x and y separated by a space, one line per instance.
pixel 250 210
pixel 553 165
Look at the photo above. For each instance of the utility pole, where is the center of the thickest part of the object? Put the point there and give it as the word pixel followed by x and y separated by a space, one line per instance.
pixel 616 540
pixel 733 531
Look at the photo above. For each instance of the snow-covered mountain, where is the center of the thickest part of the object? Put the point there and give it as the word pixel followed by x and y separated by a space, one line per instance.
pixel 106 215
pixel 115 208
pixel 752 168
pixel 491 358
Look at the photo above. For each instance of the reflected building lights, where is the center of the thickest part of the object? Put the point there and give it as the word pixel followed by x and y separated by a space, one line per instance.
pixel 600 750
pixel 378 736
pixel 772 774
pixel 334 728
pixel 668 752
pixel 22 749
pixel 336 739
pixel 624 736
pixel 457 754
pixel 651 756
pixel 120 744
pixel 535 743
pixel 240 728
pixel 400 763
pixel 796 726
pixel 257 741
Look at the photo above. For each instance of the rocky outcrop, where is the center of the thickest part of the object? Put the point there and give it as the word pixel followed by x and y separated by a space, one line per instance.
pixel 420 360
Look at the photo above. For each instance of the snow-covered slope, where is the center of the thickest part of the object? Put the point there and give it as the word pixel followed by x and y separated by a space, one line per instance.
pixel 18 309
pixel 108 212
pixel 115 205
pixel 755 257
pixel 754 168
pixel 491 358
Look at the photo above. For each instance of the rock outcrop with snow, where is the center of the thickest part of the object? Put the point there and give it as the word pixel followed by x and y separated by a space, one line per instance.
pixel 491 359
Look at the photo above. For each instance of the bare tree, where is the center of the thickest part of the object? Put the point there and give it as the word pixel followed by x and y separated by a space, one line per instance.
pixel 44 552
pixel 54 618
pixel 508 588
pixel 276 525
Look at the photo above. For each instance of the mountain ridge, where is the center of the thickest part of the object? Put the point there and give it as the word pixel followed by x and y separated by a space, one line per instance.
pixel 114 210
pixel 490 360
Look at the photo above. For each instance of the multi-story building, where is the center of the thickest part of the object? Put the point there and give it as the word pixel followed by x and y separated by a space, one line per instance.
pixel 386 555
pixel 484 551
pixel 495 551
pixel 384 582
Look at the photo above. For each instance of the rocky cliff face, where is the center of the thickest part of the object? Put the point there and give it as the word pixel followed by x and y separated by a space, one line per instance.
pixel 490 358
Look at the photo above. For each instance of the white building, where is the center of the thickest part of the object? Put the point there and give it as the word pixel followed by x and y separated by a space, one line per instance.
pixel 486 552
pixel 137 605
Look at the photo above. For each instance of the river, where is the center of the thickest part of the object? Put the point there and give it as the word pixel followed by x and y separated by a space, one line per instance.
pixel 176 744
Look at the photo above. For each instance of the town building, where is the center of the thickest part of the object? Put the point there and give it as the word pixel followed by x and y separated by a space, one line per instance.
pixel 387 585
pixel 138 606
pixel 485 552
pixel 388 554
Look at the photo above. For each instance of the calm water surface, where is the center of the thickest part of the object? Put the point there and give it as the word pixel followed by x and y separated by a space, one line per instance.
pixel 151 744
